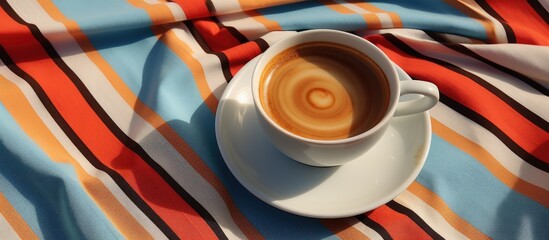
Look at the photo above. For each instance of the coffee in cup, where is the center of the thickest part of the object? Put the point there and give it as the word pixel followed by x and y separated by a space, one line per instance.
pixel 325 97
pixel 323 90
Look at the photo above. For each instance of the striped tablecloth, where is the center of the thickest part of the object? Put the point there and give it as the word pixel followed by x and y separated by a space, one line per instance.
pixel 107 111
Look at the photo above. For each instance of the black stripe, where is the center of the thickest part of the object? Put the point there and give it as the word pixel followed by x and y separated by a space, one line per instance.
pixel 375 226
pixel 508 30
pixel 235 33
pixel 210 6
pixel 263 45
pixel 225 68
pixel 73 137
pixel 540 10
pixel 531 116
pixel 485 123
pixel 474 116
pixel 224 61
pixel 86 152
pixel 414 217
pixel 127 141
pixel 464 50
pixel 196 35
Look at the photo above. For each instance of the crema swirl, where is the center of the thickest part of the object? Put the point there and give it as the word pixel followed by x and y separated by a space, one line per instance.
pixel 324 91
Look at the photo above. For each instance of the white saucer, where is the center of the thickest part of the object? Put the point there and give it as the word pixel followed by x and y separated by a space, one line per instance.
pixel 356 187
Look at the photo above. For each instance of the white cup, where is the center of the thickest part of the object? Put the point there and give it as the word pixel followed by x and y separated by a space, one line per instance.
pixel 325 153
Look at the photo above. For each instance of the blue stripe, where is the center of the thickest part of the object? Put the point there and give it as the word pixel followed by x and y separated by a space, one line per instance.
pixel 47 195
pixel 165 83
pixel 433 15
pixel 417 14
pixel 481 199
pixel 312 14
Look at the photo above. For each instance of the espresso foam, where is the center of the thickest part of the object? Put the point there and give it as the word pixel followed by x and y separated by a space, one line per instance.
pixel 324 91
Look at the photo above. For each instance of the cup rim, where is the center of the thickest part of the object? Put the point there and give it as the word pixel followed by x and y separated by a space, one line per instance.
pixel 389 71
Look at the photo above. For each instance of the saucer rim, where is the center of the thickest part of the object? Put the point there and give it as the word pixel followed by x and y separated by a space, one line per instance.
pixel 425 121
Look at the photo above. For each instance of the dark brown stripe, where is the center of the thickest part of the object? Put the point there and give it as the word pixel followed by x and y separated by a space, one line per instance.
pixel 111 125
pixel 197 37
pixel 225 68
pixel 540 10
pixel 464 50
pixel 71 134
pixel 414 217
pixel 211 7
pixel 263 45
pixel 86 152
pixel 527 113
pixel 474 116
pixel 375 226
pixel 235 33
pixel 224 61
pixel 485 123
pixel 511 38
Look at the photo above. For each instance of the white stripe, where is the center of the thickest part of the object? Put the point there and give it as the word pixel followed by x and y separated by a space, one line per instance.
pixel 226 6
pixel 545 4
pixel 431 216
pixel 361 227
pixel 6 230
pixel 245 24
pixel 273 37
pixel 42 21
pixel 209 62
pixel 489 142
pixel 140 131
pixel 515 88
pixel 530 60
pixel 176 10
pixel 501 36
pixel 73 151
pixel 457 38
pixel 384 18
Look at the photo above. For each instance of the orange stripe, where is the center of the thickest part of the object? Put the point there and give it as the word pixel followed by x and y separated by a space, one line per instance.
pixel 398 225
pixel 15 220
pixel 372 20
pixel 103 143
pixel 154 119
pixel 343 229
pixel 534 192
pixel 397 22
pixel 254 4
pixel 431 199
pixel 180 48
pixel 185 53
pixel 268 23
pixel 16 103
pixel 473 13
pixel 475 97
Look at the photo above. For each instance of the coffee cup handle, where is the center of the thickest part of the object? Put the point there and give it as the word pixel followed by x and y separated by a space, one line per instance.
pixel 428 99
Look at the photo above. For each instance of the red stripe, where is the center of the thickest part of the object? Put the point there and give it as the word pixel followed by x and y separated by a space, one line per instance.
pixel 398 225
pixel 222 40
pixel 65 96
pixel 528 26
pixel 465 91
pixel 218 39
pixel 194 8
pixel 240 55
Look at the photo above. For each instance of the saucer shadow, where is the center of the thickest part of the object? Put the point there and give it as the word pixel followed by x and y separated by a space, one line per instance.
pixel 256 162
